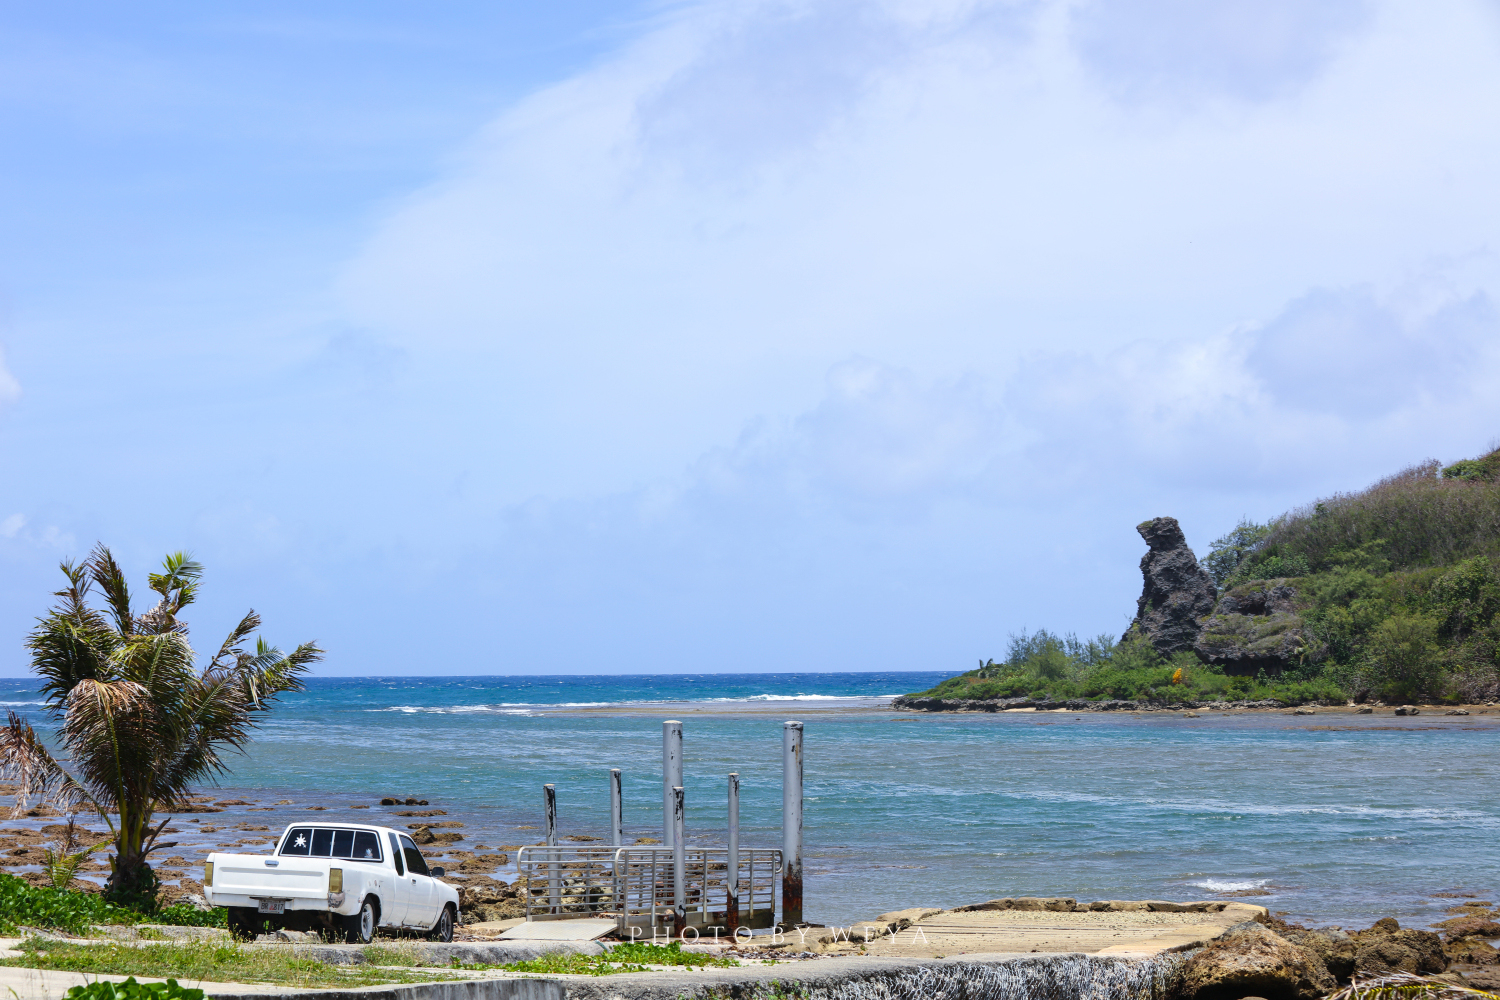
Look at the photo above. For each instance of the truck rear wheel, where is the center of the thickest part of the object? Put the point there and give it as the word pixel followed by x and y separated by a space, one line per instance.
pixel 359 928
pixel 245 923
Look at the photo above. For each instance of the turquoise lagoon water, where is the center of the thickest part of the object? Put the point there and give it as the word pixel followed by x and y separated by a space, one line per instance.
pixel 1336 818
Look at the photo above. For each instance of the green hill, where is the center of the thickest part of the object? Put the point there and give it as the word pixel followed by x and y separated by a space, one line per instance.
pixel 1387 594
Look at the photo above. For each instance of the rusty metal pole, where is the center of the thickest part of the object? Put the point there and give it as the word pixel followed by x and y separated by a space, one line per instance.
pixel 549 802
pixel 679 865
pixel 616 808
pixel 732 876
pixel 671 773
pixel 791 824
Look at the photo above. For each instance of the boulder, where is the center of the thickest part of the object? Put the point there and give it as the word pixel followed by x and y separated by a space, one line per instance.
pixel 1475 926
pixel 1412 951
pixel 1246 644
pixel 1334 948
pixel 1249 959
pixel 1471 951
pixel 1263 597
pixel 1256 627
pixel 1054 904
pixel 992 904
pixel 1177 592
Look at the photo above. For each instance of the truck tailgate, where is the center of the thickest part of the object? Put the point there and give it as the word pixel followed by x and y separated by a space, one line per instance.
pixel 253 877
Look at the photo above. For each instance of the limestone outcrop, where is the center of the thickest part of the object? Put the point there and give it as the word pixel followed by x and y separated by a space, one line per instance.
pixel 1256 627
pixel 1381 950
pixel 1177 592
pixel 1250 960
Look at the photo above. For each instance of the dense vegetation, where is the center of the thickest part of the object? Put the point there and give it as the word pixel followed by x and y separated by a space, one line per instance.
pixel 1398 587
pixel 1044 666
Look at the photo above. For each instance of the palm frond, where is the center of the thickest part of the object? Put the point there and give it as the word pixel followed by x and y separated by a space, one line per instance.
pixel 25 761
pixel 78 583
pixel 106 573
pixel 61 865
pixel 237 635
pixel 269 673
pixel 1406 986
pixel 103 732
pixel 178 583
pixel 69 645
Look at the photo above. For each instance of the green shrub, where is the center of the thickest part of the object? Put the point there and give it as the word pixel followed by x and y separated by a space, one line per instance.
pixel 23 904
pixel 1403 656
pixel 132 990
pixel 187 915
pixel 1226 554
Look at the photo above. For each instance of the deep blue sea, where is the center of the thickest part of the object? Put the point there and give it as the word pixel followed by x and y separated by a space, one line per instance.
pixel 1337 818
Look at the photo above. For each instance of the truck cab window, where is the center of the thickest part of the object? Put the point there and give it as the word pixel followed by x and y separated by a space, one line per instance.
pixel 349 845
pixel 298 841
pixel 414 859
pixel 396 855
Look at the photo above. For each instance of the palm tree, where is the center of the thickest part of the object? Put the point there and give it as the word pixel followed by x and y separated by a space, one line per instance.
pixel 137 722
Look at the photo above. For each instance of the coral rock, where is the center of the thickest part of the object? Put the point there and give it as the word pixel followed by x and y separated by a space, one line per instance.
pixel 1402 951
pixel 1249 959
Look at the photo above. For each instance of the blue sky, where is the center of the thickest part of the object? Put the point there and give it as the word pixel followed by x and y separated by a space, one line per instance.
pixel 778 335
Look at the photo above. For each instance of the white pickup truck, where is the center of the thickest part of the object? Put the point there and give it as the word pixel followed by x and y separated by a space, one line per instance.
pixel 345 878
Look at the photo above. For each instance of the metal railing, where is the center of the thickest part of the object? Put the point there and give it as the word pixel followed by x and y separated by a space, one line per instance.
pixel 635 885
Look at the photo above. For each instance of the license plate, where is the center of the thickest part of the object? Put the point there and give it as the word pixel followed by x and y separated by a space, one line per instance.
pixel 272 906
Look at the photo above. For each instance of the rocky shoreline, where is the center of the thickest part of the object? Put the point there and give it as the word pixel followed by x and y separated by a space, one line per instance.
pixel 1253 954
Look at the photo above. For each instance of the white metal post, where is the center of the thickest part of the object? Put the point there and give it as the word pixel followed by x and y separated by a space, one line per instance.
pixel 549 801
pixel 679 865
pixel 671 773
pixel 616 808
pixel 791 824
pixel 732 876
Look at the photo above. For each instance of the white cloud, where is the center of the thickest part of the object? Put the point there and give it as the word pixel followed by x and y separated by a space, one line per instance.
pixel 688 235
pixel 10 389
pixel 11 525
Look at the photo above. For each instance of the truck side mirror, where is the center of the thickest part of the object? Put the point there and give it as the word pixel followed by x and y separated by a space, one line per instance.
pixel 438 871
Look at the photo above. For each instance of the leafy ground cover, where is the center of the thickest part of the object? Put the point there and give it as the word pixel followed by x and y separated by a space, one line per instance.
pixel 1398 591
pixel 103 989
pixel 207 961
pixel 25 905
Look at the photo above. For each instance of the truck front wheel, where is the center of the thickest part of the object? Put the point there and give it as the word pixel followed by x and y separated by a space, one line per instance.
pixel 360 927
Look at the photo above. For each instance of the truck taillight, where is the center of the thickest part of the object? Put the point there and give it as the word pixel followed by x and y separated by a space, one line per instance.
pixel 335 880
pixel 208 873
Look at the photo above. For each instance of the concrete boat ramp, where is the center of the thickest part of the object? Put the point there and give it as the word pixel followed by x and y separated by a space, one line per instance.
pixel 1002 950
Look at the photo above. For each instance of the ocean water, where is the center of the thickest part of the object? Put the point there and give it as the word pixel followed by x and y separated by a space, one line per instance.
pixel 1332 818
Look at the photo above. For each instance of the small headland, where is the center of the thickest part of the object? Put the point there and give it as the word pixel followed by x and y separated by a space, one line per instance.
pixel 1389 597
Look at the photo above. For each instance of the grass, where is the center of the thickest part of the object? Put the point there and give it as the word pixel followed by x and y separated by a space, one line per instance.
pixel 629 957
pixel 206 961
